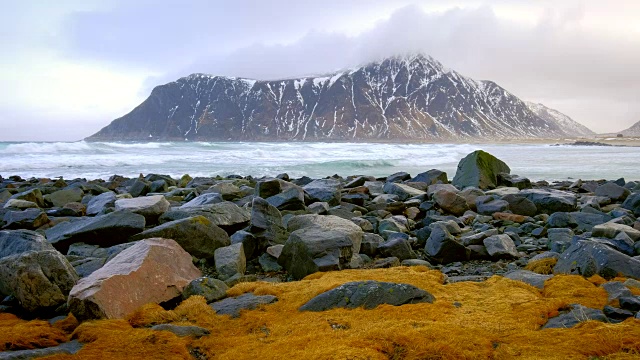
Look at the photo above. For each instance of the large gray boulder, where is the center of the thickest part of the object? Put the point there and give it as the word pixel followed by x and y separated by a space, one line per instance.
pixel 443 248
pixel 151 207
pixel 100 203
pixel 611 229
pixel 232 306
pixel 62 197
pixel 398 247
pixel 32 195
pixel 479 169
pixel 324 190
pixel 404 192
pixel 529 277
pixel 230 261
pixel 226 215
pixel 433 176
pixel 548 201
pixel 368 295
pixel 210 288
pixel 104 230
pixel 13 242
pixel 203 199
pixel 520 205
pixel 29 219
pixel 266 222
pixel 633 203
pixel 587 258
pixel 151 271
pixel 291 197
pixel 450 202
pixel 500 247
pixel 319 243
pixel 574 316
pixel 197 235
pixel 40 280
pixel 612 191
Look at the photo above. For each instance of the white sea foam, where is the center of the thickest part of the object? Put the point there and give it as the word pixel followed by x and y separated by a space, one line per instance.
pixel 101 160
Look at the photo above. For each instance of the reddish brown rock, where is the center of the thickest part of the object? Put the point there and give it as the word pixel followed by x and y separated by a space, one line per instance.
pixel 509 217
pixel 151 271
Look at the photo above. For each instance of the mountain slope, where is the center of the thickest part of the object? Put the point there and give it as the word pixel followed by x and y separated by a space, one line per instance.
pixel 566 123
pixel 634 130
pixel 400 98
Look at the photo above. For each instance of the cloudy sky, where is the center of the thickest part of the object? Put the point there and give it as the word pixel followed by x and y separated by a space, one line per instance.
pixel 69 67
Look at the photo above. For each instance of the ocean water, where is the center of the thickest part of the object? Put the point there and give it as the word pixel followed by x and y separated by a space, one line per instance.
pixel 102 159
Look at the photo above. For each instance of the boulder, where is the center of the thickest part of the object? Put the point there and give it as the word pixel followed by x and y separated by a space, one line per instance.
pixel 510 180
pixel 266 222
pixel 33 195
pixel 151 207
pixel 370 244
pixel 68 348
pixel 520 205
pixel 633 203
pixel 403 191
pixel 100 203
pixel 431 177
pixel 574 316
pixel 230 261
pixel 291 198
pixel 548 201
pixel 151 271
pixel 450 202
pixel 104 230
pixel 182 330
pixel 443 248
pixel 587 258
pixel 204 199
pixel 19 204
pixel 488 205
pixel 398 247
pixel 324 190
pixel 559 239
pixel 227 215
pixel 367 295
pixel 529 277
pixel 479 169
pixel 227 190
pixel 267 188
pixel 500 247
pixel 612 191
pixel 616 290
pixel 586 221
pixel 319 243
pixel 611 229
pixel 197 235
pixel 561 220
pixel 40 280
pixel 232 306
pixel 210 288
pixel 13 242
pixel 29 219
pixel 62 197
pixel 139 188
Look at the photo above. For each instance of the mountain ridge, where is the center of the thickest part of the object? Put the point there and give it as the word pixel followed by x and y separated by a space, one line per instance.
pixel 399 98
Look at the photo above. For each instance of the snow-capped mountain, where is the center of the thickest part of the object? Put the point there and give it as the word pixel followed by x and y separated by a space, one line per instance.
pixel 566 123
pixel 634 130
pixel 399 98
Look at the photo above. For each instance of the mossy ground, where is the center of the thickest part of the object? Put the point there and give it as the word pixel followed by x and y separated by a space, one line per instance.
pixel 495 319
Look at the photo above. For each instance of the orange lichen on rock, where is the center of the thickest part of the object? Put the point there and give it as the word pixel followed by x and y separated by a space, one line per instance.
pixel 495 319
pixel 542 266
pixel 17 334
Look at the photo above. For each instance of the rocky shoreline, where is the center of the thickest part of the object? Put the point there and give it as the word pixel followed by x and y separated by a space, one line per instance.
pixel 103 249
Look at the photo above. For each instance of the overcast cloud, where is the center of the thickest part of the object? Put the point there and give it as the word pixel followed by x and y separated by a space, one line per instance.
pixel 68 68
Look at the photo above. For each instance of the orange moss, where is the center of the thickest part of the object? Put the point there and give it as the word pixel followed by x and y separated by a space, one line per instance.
pixel 542 266
pixel 16 334
pixel 495 319
pixel 575 289
pixel 68 325
pixel 116 339
pixel 597 280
